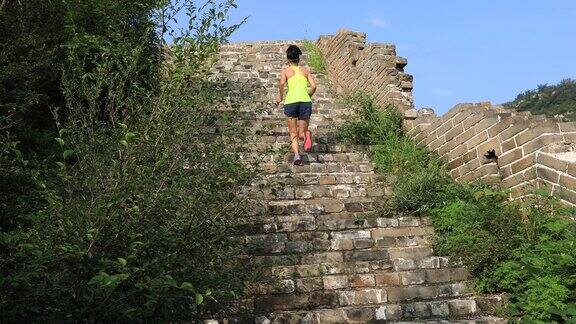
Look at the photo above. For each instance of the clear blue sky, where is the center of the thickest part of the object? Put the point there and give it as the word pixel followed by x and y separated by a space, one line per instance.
pixel 457 50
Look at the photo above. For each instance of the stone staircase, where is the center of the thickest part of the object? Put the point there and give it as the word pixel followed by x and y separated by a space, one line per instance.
pixel 328 255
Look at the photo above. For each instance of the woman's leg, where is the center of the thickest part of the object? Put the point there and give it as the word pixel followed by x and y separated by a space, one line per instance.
pixel 302 128
pixel 293 130
pixel 303 123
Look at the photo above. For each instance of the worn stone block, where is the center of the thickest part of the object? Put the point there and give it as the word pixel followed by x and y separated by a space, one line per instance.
pixel 472 143
pixel 533 132
pixel 413 277
pixel 524 163
pixel 439 308
pixel 362 297
pixel 366 255
pixel 412 252
pixel 341 244
pixel 362 281
pixel 360 314
pixel 327 180
pixel 571 169
pixel 363 243
pixel 400 294
pixel 567 181
pixel 510 156
pixel 540 142
pixel 387 279
pixel 463 307
pixel 387 222
pixel 325 257
pixel 309 284
pixel 552 162
pixel 404 264
pixel 547 174
pixel 335 282
pixel 356 234
pixel 385 242
pixel 565 194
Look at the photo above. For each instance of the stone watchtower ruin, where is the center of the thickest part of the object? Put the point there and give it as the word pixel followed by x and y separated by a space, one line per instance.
pixel 329 256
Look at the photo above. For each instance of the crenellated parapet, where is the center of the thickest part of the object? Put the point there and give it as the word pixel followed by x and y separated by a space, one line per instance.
pixel 353 65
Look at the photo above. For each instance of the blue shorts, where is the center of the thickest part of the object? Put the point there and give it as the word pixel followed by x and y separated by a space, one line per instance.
pixel 300 110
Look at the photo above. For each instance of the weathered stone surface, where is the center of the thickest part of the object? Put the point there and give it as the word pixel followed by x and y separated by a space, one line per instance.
pixel 335 282
pixel 387 278
pixel 464 307
pixel 362 297
pixel 413 277
pixel 362 281
pixel 309 284
pixel 363 243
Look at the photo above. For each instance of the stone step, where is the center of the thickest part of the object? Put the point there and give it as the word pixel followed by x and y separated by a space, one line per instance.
pixel 311 241
pixel 459 310
pixel 332 263
pixel 326 167
pixel 356 274
pixel 380 268
pixel 365 224
pixel 320 206
pixel 287 157
pixel 281 145
pixel 321 178
pixel 317 157
pixel 282 132
pixel 322 191
pixel 336 298
pixel 314 168
pixel 327 251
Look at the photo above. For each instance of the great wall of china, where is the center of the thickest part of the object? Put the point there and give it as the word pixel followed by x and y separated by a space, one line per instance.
pixel 331 258
pixel 477 141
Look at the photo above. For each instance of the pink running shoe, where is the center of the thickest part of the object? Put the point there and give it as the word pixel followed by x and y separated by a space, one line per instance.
pixel 308 141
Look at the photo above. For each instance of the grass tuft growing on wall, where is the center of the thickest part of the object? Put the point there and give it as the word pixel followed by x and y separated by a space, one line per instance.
pixel 315 59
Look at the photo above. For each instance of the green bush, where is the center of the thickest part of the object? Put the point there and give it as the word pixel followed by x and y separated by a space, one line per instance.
pixel 371 125
pixel 133 216
pixel 315 59
pixel 524 248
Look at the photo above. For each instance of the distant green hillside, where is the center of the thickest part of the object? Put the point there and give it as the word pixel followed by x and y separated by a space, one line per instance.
pixel 551 100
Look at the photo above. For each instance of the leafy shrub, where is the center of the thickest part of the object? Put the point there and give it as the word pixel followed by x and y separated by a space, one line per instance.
pixel 315 59
pixel 372 125
pixel 139 222
pixel 524 248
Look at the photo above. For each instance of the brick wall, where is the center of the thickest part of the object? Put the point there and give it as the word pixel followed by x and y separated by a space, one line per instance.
pixel 478 141
pixel 484 142
pixel 353 65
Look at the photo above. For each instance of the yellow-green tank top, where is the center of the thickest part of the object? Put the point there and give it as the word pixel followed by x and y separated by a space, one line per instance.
pixel 297 88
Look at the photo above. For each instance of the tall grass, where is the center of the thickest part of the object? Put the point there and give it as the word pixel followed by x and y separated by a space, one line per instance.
pixel 315 59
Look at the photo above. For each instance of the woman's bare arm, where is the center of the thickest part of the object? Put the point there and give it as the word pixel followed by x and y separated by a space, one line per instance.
pixel 312 82
pixel 282 84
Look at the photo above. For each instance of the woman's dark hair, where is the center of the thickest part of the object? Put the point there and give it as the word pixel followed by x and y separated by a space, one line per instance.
pixel 293 53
